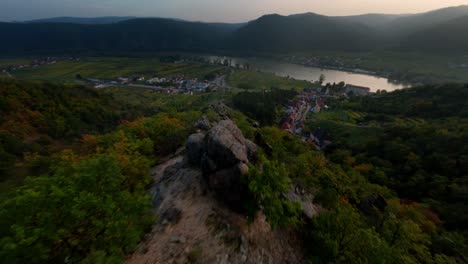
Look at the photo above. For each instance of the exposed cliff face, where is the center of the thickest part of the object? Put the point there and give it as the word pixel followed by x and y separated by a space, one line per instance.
pixel 190 195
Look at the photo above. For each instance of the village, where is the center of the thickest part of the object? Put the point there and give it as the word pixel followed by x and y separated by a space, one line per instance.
pixel 313 102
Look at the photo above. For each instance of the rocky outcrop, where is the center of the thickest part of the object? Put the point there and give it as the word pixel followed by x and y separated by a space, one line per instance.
pixel 221 109
pixel 193 226
pixel 203 124
pixel 225 145
pixel 194 148
pixel 223 154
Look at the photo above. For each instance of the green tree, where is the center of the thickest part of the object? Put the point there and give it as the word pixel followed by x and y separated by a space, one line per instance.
pixel 83 207
pixel 268 184
pixel 341 236
pixel 322 78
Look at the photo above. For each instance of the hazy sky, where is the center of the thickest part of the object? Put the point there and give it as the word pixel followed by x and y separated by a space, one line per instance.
pixel 209 10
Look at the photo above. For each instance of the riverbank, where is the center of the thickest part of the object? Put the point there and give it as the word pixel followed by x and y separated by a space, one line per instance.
pixel 306 73
pixel 399 67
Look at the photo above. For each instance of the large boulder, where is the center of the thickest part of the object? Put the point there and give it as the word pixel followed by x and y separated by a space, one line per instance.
pixel 223 154
pixel 194 148
pixel 226 145
pixel 228 184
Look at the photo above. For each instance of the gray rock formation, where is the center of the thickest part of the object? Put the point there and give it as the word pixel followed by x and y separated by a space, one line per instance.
pixel 251 149
pixel 226 145
pixel 203 124
pixel 223 154
pixel 221 109
pixel 194 148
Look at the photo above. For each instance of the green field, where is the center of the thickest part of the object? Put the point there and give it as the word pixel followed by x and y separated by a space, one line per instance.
pixel 112 67
pixel 8 62
pixel 133 98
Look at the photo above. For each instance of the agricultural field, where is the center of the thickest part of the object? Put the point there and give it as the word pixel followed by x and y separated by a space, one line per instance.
pixel 7 62
pixel 151 102
pixel 112 67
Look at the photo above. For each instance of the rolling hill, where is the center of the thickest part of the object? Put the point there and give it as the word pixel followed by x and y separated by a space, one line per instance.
pixel 446 37
pixel 300 33
pixel 407 25
pixel 82 20
pixel 268 34
pixel 153 34
pixel 375 21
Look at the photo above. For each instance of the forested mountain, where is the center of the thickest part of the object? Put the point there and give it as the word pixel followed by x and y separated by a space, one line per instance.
pixel 449 36
pixel 270 33
pixel 394 181
pixel 407 25
pixel 82 20
pixel 399 196
pixel 375 21
pixel 132 35
pixel 301 33
pixel 86 168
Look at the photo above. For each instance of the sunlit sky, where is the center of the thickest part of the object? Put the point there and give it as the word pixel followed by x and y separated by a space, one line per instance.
pixel 210 10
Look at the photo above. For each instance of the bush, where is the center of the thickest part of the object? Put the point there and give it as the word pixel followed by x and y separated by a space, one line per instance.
pixel 268 183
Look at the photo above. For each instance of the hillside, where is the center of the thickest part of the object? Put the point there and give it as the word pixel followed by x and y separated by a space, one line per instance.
pixel 270 33
pixel 407 25
pixel 300 33
pixel 446 37
pixel 38 117
pixel 130 35
pixel 81 20
pixel 95 197
pixel 375 21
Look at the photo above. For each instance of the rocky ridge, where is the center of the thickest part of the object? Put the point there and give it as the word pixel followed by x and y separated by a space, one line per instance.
pixel 197 198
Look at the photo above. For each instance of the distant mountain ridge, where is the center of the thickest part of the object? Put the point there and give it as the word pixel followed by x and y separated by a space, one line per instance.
pixel 407 25
pixel 82 20
pixel 269 33
pixel 449 36
pixel 298 33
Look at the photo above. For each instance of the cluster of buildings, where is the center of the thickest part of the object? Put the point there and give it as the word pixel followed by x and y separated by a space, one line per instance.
pixel 168 85
pixel 313 102
pixel 298 108
pixel 296 113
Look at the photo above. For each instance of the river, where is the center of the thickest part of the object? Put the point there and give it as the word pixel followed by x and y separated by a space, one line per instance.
pixel 301 72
